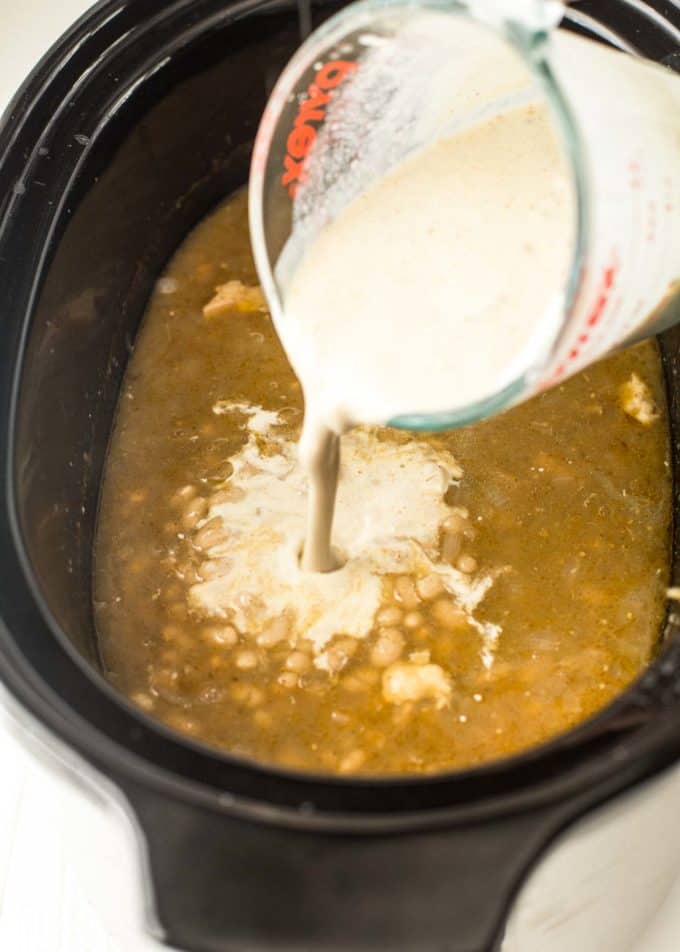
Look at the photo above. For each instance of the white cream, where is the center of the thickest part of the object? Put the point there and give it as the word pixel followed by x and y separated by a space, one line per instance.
pixel 431 291
pixel 441 282
pixel 390 509
pixel 435 289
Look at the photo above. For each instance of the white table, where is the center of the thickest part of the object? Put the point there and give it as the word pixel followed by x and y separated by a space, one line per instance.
pixel 41 906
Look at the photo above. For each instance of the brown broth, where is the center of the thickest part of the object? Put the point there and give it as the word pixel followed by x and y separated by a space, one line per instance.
pixel 568 497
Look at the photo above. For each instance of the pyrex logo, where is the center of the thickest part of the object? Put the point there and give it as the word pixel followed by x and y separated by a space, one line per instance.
pixel 312 110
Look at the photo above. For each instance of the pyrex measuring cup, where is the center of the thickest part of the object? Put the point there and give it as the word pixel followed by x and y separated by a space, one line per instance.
pixel 383 79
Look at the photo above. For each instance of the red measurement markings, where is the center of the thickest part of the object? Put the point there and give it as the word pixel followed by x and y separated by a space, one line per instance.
pixel 593 319
pixel 635 170
pixel 651 222
pixel 668 194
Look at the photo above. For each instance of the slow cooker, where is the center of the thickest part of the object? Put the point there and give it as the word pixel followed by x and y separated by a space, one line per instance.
pixel 136 123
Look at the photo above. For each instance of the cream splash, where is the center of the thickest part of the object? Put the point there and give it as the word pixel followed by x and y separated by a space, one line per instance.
pixel 251 567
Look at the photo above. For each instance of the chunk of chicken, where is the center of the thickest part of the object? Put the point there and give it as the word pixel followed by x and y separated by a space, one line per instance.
pixel 406 681
pixel 235 296
pixel 637 401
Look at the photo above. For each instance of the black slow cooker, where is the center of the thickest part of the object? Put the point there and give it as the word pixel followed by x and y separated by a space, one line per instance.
pixel 134 126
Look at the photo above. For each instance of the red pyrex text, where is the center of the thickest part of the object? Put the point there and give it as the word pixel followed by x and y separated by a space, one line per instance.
pixel 312 109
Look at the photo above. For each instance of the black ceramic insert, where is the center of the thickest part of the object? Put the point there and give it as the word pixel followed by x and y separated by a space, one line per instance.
pixel 134 126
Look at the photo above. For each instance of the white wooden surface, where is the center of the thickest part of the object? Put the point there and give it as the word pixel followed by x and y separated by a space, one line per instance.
pixel 42 908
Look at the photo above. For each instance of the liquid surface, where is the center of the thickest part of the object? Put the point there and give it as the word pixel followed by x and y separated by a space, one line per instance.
pixel 500 583
pixel 436 288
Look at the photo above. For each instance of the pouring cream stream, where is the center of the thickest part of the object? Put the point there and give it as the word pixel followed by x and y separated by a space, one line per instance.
pixel 428 291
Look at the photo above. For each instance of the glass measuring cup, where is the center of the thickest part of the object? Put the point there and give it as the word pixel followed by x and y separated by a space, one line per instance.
pixel 381 80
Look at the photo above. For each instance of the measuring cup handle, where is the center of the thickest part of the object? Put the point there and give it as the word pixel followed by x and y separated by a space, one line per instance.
pixel 225 881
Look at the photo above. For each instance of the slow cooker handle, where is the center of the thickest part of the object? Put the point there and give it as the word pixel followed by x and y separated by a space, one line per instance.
pixel 245 884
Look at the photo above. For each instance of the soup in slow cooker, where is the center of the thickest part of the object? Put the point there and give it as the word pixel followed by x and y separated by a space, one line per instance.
pixel 499 583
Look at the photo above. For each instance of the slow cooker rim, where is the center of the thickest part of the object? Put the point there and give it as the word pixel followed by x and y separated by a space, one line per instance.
pixel 88 739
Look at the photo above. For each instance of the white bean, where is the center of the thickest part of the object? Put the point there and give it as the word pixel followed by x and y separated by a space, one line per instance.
pixel 143 700
pixel 194 512
pixel 339 654
pixel 467 564
pixel 456 522
pixel 183 495
pixel 299 662
pixel 246 660
pixel 405 592
pixel 214 568
pixel 275 632
pixel 391 615
pixel 212 533
pixel 430 586
pixel 448 614
pixel 221 635
pixel 388 647
pixel 352 761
